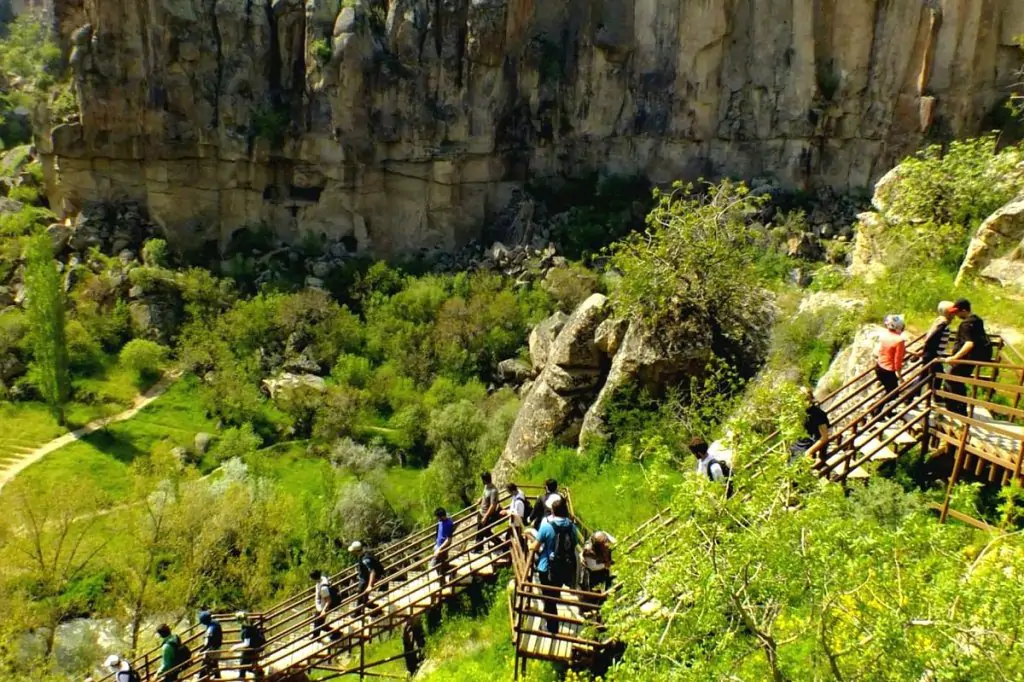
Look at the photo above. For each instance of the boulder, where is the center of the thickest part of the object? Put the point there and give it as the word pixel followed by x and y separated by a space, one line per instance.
pixel 154 317
pixel 574 345
pixel 60 235
pixel 302 364
pixel 867 259
pixel 288 381
pixel 644 360
pixel 1001 233
pixel 1006 272
pixel 202 442
pixel 514 371
pixel 543 336
pixel 609 335
pixel 855 358
pixel 10 368
pixel 542 417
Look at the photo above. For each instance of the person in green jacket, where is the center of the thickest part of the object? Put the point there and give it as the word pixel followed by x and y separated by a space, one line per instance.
pixel 169 654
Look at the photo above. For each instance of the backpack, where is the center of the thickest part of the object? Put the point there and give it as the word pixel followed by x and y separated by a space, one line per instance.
pixel 127 676
pixel 562 562
pixel 254 635
pixel 216 638
pixel 374 564
pixel 334 596
pixel 726 471
pixel 182 654
pixel 527 507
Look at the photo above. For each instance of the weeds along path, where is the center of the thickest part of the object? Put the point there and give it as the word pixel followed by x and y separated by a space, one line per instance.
pixel 30 457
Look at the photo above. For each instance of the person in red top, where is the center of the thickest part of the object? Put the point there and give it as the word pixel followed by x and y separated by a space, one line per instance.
pixel 891 351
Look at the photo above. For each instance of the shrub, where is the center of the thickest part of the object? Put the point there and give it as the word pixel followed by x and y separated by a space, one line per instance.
pixel 84 352
pixel 366 515
pixel 336 413
pixel 26 194
pixel 154 253
pixel 361 460
pixel 352 370
pixel 571 285
pixel 236 442
pixel 321 51
pixel 144 358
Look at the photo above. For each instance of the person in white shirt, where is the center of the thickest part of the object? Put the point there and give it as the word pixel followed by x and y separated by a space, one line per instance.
pixel 323 601
pixel 715 466
pixel 121 669
pixel 516 512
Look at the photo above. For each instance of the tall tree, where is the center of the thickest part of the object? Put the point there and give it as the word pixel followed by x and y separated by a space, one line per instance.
pixel 49 369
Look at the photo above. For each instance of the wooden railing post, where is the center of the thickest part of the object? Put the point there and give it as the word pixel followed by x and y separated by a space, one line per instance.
pixel 957 466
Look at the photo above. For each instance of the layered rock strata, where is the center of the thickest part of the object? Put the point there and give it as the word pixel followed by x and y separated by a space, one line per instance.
pixel 405 123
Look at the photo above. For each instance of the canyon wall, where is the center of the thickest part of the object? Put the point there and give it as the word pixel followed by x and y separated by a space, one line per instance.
pixel 403 125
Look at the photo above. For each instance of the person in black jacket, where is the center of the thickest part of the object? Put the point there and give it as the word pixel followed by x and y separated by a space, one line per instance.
pixel 936 343
pixel 542 507
pixel 972 343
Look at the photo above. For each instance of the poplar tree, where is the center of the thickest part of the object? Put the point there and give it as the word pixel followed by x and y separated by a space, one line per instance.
pixel 45 299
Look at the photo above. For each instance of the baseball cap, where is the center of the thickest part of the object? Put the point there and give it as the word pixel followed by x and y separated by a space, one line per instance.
pixel 356 546
pixel 552 500
pixel 113 661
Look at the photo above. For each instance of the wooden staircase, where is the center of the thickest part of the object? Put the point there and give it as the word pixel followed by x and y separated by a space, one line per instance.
pixel 987 440
pixel 411 587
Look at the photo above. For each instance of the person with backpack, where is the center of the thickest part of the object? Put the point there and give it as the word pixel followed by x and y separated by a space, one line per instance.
pixel 443 543
pixel 488 514
pixel 174 655
pixel 325 599
pixel 370 570
pixel 972 343
pixel 544 501
pixel 714 467
pixel 816 426
pixel 251 643
pixel 121 669
pixel 936 345
pixel 555 550
pixel 213 638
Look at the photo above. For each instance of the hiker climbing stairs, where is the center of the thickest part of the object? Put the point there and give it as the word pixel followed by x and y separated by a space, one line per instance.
pixel 411 586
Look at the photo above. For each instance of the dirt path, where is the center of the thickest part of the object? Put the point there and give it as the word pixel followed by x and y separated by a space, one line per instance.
pixel 141 401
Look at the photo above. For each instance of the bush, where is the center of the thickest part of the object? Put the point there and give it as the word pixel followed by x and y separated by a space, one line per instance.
pixel 84 352
pixel 144 358
pixel 366 515
pixel 236 442
pixel 154 253
pixel 361 460
pixel 352 370
pixel 571 285
pixel 321 51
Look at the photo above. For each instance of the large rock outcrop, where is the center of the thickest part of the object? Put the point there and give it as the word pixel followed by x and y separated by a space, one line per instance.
pixel 587 360
pixel 997 248
pixel 402 124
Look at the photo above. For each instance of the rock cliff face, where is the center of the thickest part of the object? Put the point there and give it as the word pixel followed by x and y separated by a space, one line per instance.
pixel 404 123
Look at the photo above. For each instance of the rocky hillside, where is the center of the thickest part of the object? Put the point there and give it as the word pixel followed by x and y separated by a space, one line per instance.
pixel 406 123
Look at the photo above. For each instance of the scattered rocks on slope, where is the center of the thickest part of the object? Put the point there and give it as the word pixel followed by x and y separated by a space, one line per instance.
pixel 288 381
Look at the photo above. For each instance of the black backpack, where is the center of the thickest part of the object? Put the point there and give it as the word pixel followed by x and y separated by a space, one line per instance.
pixel 254 635
pixel 182 654
pixel 127 676
pixel 527 507
pixel 562 562
pixel 334 596
pixel 374 564
pixel 726 471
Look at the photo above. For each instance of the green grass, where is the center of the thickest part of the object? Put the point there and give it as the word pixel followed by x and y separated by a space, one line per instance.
pixel 100 460
pixel 612 496
pixel 291 467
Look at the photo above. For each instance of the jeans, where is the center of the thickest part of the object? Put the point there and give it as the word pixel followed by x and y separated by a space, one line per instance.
pixel 483 532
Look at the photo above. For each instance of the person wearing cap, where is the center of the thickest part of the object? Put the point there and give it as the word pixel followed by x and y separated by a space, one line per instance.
pixel 972 343
pixel 251 642
pixel 121 669
pixel 936 343
pixel 892 349
pixel 213 638
pixel 370 571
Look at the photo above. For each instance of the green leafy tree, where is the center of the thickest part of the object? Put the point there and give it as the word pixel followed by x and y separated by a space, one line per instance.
pixel 454 432
pixel 46 314
pixel 144 358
